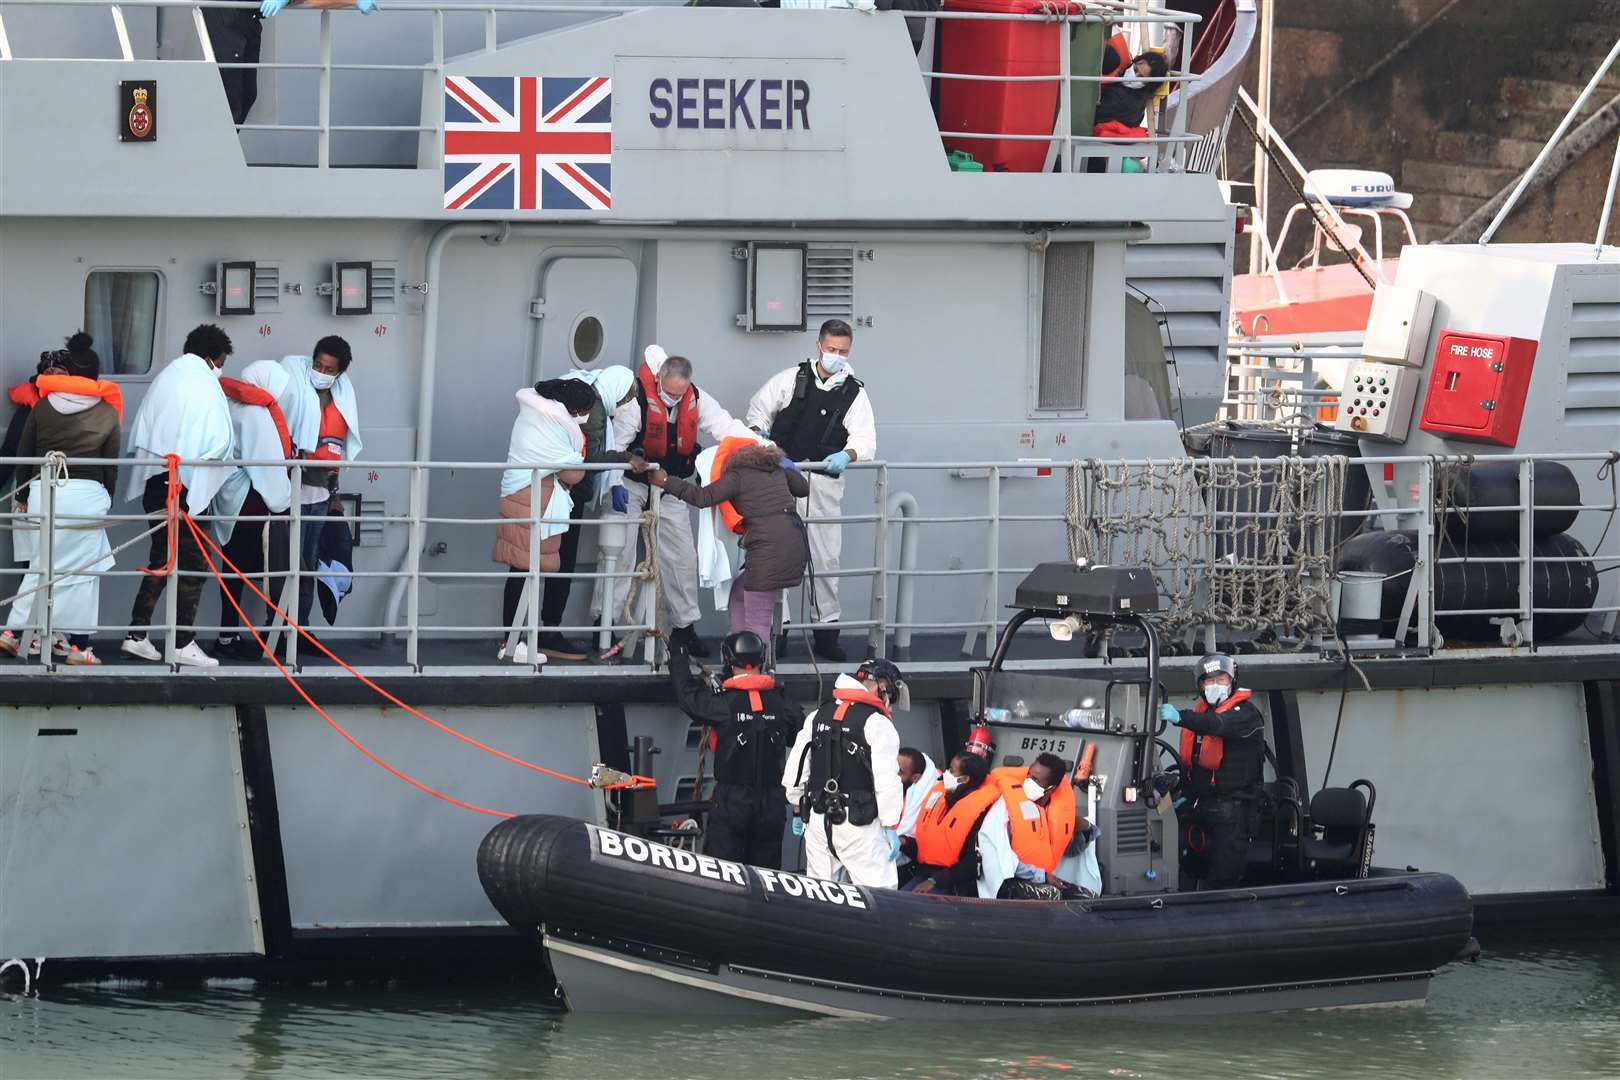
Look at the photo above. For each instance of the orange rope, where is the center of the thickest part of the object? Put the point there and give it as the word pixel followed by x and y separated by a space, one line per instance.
pixel 206 542
pixel 171 504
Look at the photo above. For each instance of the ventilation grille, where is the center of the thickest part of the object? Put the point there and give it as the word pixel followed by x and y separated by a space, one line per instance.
pixel 266 287
pixel 1065 296
pixel 829 284
pixel 372 528
pixel 1131 832
pixel 384 287
pixel 1592 379
pixel 694 735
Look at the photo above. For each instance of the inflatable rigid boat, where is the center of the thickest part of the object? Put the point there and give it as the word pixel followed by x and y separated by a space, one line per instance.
pixel 631 925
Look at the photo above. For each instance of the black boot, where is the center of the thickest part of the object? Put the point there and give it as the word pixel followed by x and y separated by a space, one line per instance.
pixel 827 647
pixel 686 639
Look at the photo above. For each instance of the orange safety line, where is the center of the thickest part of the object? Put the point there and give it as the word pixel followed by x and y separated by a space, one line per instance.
pixel 203 538
pixel 171 503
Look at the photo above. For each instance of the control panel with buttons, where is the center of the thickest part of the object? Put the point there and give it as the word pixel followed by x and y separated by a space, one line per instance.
pixel 1377 400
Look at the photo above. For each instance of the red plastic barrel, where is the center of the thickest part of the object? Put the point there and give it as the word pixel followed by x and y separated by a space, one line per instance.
pixel 994 47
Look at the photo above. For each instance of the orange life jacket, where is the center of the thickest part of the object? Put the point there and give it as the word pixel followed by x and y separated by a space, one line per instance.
pixel 25 394
pixel 333 434
pixel 78 384
pixel 943 826
pixel 1207 751
pixel 1122 50
pixel 655 419
pixel 248 394
pixel 1039 840
pixel 852 696
pixel 752 682
pixel 728 446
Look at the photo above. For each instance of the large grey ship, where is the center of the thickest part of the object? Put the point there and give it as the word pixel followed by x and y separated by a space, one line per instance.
pixel 1047 352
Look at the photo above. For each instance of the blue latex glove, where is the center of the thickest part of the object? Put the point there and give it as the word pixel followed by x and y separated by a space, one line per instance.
pixel 789 464
pixel 764 433
pixel 837 463
pixel 893 837
pixel 1169 713
pixel 270 7
pixel 366 7
pixel 621 499
pixel 798 826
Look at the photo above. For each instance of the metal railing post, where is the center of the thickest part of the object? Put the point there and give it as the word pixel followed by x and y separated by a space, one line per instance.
pixel 1608 202
pixel 650 597
pixel 171 594
pixel 1425 564
pixel 413 587
pixel 5 42
pixel 323 155
pixel 877 641
pixel 536 584
pixel 204 42
pixel 47 560
pixel 491 38
pixel 293 586
pixel 993 553
pixel 1527 550
pixel 121 28
pixel 1065 122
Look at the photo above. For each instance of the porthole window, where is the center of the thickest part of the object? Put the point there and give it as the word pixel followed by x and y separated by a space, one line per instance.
pixel 587 344
pixel 120 312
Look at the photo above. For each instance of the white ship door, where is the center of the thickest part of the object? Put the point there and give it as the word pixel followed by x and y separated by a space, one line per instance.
pixel 586 311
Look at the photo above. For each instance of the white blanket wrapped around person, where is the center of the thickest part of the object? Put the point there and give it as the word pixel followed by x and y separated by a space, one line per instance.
pixel 184 413
pixel 543 432
pixel 302 404
pixel 78 542
pixel 713 541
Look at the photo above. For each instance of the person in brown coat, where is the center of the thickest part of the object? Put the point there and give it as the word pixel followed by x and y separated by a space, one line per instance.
pixel 761 486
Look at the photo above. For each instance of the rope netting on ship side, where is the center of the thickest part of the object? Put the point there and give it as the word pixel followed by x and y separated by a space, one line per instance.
pixel 1251 545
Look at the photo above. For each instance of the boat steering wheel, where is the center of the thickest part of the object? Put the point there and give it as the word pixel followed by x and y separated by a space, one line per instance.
pixel 1167 776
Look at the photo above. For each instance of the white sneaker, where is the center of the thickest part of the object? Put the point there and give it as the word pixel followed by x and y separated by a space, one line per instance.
pixel 193 656
pixel 141 649
pixel 520 654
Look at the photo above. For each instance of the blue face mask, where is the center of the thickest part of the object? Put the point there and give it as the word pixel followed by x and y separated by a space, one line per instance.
pixel 832 363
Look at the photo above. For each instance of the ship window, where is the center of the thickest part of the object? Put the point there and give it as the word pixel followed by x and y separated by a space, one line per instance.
pixel 587 340
pixel 120 312
pixel 1065 303
pixel 1147 375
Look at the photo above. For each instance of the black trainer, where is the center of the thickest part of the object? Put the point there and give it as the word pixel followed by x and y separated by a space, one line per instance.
pixel 686 638
pixel 241 647
pixel 827 647
pixel 558 647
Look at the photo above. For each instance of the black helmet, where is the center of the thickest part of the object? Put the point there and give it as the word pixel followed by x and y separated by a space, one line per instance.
pixel 743 649
pixel 1216 664
pixel 886 671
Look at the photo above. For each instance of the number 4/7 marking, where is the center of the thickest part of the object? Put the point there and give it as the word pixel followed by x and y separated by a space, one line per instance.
pixel 380 330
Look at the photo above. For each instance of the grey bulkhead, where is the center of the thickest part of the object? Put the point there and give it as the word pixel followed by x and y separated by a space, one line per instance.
pixel 951 355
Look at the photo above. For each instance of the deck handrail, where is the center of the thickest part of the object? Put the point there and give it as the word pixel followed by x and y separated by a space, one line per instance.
pixel 895 523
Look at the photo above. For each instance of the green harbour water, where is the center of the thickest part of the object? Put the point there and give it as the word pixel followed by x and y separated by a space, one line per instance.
pixel 1524 1010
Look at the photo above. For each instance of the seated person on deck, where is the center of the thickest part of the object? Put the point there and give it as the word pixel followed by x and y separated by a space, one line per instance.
pixel 1033 843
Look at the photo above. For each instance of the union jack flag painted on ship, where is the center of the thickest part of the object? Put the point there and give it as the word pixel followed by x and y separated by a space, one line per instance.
pixel 527 143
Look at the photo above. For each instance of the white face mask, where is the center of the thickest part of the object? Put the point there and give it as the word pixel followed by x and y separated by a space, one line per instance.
pixel 951 782
pixel 1032 790
pixel 320 380
pixel 1215 692
pixel 219 372
pixel 1134 84
pixel 832 363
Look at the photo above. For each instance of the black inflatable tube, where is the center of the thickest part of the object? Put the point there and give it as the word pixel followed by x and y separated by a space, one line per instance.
pixel 552 871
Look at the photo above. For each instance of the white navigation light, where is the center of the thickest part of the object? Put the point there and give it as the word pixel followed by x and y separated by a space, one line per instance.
pixel 776 286
pixel 352 292
pixel 236 288
pixel 1065 630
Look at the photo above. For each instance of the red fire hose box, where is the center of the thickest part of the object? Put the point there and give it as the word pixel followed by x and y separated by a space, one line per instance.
pixel 1001 47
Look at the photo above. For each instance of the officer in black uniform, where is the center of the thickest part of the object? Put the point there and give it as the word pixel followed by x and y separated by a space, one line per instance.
pixel 1223 749
pixel 750 722
pixel 818 412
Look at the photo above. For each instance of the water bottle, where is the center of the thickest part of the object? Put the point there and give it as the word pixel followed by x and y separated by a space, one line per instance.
pixel 998 715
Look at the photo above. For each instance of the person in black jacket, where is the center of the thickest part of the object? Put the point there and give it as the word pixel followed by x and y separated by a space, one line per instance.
pixel 749 722
pixel 1223 750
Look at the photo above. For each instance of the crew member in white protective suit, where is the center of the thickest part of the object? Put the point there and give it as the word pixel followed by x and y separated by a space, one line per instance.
pixel 661 424
pixel 843 780
pixel 184 412
pixel 819 413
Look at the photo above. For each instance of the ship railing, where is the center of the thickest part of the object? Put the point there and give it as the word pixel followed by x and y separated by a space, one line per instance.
pixel 1169 148
pixel 1281 382
pixel 1216 544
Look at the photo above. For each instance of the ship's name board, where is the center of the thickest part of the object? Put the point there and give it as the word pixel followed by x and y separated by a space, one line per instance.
pixel 729 104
